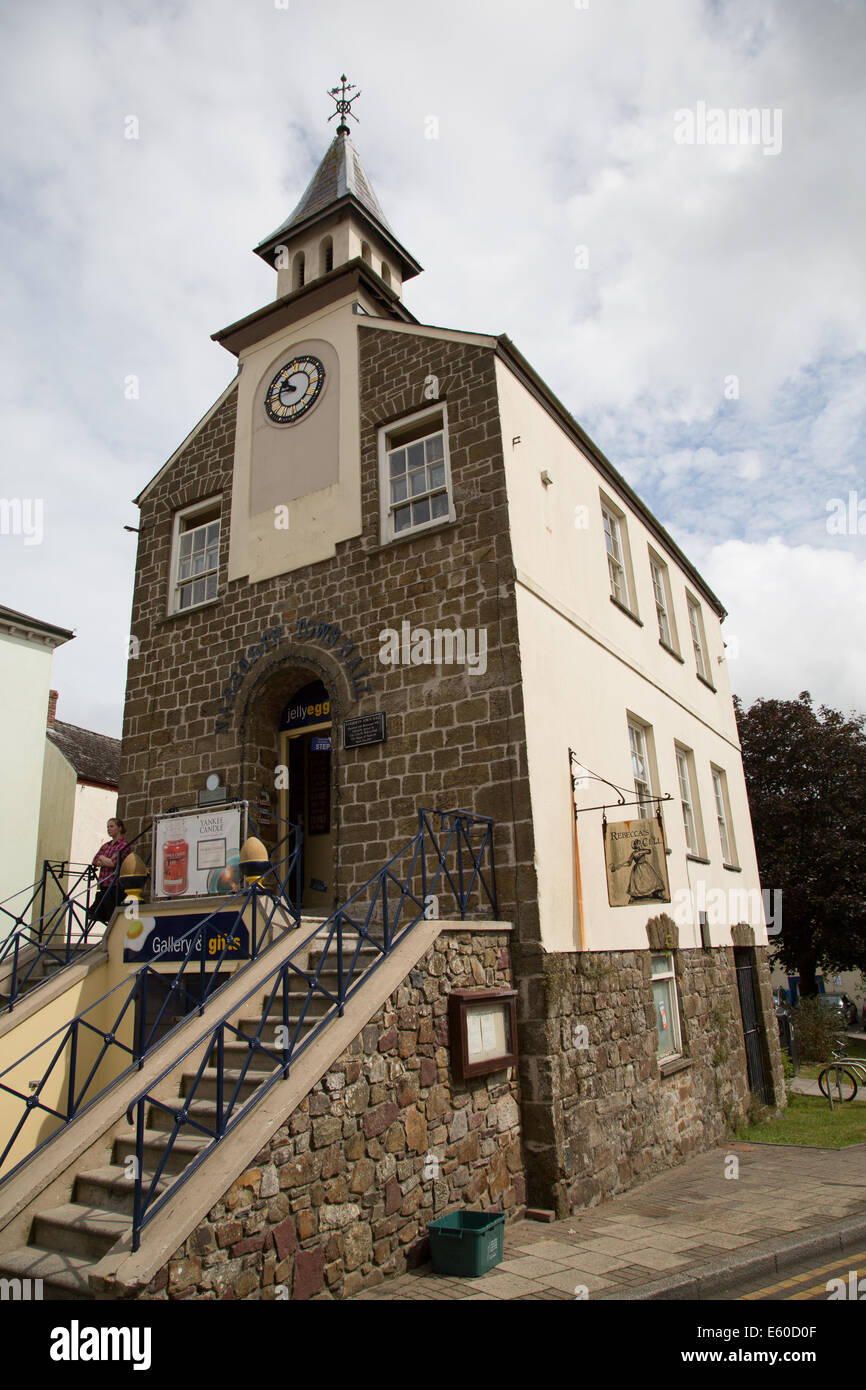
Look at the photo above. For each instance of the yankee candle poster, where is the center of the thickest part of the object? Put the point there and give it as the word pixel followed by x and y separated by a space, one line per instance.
pixel 198 853
pixel 634 855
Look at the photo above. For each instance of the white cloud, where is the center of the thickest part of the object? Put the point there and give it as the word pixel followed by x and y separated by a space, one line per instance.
pixel 120 257
pixel 798 615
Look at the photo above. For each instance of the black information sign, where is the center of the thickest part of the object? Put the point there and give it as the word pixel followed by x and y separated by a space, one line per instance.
pixel 365 728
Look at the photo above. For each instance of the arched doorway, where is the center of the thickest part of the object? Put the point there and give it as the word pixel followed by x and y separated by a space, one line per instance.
pixel 306 790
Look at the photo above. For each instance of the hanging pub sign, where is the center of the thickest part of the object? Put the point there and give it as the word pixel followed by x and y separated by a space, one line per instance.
pixel 636 863
pixel 198 852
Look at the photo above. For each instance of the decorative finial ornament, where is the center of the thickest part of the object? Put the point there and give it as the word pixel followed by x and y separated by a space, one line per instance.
pixel 344 103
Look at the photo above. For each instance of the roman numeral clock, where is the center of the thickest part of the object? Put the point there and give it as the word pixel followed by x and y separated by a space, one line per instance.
pixel 294 390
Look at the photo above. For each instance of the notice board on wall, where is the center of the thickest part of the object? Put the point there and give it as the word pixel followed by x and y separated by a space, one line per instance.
pixel 197 852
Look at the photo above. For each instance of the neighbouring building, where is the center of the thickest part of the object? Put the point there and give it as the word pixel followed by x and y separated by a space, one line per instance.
pixel 79 792
pixel 26 648
pixel 388 518
pixel 848 982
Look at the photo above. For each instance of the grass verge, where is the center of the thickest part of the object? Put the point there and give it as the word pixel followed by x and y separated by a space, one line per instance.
pixel 809 1122
pixel 854 1047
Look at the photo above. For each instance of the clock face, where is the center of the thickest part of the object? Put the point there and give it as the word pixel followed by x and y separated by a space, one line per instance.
pixel 294 389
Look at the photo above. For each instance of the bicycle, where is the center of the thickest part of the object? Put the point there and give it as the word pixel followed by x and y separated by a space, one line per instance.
pixel 843 1074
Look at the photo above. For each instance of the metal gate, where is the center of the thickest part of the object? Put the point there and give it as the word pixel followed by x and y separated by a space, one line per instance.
pixel 751 1023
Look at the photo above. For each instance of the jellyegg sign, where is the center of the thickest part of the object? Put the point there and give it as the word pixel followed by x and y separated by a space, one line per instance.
pixel 311 705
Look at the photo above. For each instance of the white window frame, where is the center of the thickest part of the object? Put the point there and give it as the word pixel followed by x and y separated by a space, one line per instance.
pixel 639 750
pixel 438 418
pixel 690 801
pixel 617 552
pixel 661 584
pixel 179 529
pixel 618 555
pixel 668 978
pixel 699 638
pixel 616 570
pixel 723 816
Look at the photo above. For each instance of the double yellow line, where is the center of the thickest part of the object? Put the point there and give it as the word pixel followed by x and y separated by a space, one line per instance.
pixel 851 1260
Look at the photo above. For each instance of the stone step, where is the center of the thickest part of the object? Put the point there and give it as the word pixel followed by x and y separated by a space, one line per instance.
pixel 319 1004
pixel 38 972
pixel 205 1111
pixel 66 1240
pixel 251 1024
pixel 72 1229
pixel 185 1148
pixel 330 964
pixel 367 952
pixel 64 1276
pixel 207 1085
pixel 236 1054
pixel 112 1189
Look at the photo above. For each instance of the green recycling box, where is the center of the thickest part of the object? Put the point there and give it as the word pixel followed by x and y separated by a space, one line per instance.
pixel 466 1243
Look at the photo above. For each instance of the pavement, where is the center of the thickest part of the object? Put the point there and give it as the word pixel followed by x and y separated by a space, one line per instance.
pixel 805 1086
pixel 686 1234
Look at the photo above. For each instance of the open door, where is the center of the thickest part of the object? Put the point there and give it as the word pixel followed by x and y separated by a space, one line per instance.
pixel 306 752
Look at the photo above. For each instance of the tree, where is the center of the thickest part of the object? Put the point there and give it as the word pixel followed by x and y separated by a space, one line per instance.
pixel 806 778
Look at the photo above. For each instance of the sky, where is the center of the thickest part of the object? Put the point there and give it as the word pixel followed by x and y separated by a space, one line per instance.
pixel 574 173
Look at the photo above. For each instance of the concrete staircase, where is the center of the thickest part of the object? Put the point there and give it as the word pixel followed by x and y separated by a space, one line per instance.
pixel 66 1240
pixel 46 967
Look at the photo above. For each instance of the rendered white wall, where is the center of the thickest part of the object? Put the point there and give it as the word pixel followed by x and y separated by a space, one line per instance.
pixel 25 677
pixel 57 809
pixel 585 664
pixel 93 807
pixel 258 549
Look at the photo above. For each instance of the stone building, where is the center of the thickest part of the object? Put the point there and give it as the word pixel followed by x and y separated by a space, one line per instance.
pixel 384 517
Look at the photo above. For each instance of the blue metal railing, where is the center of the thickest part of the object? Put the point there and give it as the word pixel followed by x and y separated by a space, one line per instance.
pixel 78 1080
pixel 459 857
pixel 57 935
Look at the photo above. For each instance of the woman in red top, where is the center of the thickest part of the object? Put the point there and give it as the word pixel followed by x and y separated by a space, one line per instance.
pixel 108 859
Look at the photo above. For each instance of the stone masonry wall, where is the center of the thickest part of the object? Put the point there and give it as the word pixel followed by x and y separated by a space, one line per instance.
pixel 339 1198
pixel 454 738
pixel 608 1114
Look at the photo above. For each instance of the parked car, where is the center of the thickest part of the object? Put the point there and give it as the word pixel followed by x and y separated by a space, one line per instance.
pixel 842 1004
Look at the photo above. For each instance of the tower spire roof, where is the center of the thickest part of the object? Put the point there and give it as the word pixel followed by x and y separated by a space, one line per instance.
pixel 340 185
pixel 340 173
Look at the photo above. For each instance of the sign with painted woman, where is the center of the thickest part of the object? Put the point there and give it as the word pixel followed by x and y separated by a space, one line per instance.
pixel 636 863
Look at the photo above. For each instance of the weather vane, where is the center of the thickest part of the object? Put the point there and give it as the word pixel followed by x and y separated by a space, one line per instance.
pixel 344 102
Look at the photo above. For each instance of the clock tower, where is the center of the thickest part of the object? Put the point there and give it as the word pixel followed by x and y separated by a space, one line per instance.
pixel 363 600
pixel 296 488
